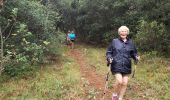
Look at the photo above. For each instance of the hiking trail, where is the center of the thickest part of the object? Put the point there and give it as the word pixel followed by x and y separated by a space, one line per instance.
pixel 94 80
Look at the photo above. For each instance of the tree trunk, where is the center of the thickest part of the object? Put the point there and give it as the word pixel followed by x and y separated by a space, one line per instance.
pixel 2 54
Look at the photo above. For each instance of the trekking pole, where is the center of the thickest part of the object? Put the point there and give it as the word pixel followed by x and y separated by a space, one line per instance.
pixel 106 82
pixel 134 70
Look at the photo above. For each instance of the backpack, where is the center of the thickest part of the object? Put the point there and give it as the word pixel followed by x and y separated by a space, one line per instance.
pixel 72 36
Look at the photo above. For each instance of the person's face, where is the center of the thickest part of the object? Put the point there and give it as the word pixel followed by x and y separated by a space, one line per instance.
pixel 123 33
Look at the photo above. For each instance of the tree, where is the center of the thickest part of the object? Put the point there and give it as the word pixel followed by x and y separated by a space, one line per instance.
pixel 29 28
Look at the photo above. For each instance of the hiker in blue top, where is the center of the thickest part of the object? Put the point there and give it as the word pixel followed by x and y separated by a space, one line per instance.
pixel 119 55
pixel 72 37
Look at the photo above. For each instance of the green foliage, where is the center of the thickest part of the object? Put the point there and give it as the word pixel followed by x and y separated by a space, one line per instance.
pixel 152 36
pixel 29 30
pixel 97 21
pixel 18 68
pixel 51 82
pixel 29 26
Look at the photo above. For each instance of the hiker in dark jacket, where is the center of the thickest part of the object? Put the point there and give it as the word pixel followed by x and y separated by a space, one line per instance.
pixel 119 55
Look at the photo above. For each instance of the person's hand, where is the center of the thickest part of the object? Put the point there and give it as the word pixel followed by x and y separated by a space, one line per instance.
pixel 138 58
pixel 110 60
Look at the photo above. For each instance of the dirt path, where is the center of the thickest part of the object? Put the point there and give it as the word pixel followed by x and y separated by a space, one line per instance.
pixel 136 90
pixel 88 73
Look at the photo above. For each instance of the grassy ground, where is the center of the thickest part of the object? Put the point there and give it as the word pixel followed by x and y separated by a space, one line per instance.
pixel 95 57
pixel 63 81
pixel 151 80
pixel 53 82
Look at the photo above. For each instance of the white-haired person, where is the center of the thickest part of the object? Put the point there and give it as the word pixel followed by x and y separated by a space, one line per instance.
pixel 119 55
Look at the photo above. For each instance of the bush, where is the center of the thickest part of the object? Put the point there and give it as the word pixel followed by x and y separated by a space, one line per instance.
pixel 18 69
pixel 30 36
pixel 152 36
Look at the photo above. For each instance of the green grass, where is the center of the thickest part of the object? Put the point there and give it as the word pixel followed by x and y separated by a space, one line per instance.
pixel 151 82
pixel 153 74
pixel 64 82
pixel 54 82
pixel 95 57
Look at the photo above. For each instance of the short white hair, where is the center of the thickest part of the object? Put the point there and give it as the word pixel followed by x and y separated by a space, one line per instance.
pixel 123 28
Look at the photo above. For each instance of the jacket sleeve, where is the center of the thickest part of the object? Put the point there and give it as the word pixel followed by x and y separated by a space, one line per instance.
pixel 109 51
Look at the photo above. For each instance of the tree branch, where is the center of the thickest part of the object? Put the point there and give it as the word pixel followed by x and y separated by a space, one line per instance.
pixel 9 32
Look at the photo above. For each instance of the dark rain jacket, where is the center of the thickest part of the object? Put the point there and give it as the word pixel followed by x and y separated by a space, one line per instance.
pixel 121 52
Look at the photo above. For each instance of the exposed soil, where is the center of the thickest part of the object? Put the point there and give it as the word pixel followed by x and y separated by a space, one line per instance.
pixel 95 80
